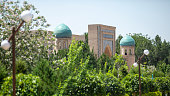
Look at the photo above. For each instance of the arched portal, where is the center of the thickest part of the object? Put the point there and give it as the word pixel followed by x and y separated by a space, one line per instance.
pixel 108 51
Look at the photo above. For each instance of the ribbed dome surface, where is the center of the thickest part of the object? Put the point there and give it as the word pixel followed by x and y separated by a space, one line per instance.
pixel 127 41
pixel 62 31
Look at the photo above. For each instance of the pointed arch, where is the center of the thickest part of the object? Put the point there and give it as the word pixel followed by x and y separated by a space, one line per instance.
pixel 108 51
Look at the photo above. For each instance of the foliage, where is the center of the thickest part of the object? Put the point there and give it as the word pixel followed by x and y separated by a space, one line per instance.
pixel 157 93
pixel 118 44
pixel 62 54
pixel 134 70
pixel 86 37
pixel 123 71
pixel 28 43
pixel 86 52
pixel 90 83
pixel 117 62
pixel 83 83
pixel 146 71
pixel 131 84
pixel 143 42
pixel 163 84
pixel 163 67
pixel 47 76
pixel 152 86
pixel 75 71
pixel 21 66
pixel 76 78
pixel 157 73
pixel 26 85
pixel 104 59
pixel 159 50
pixel 113 85
pixel 3 73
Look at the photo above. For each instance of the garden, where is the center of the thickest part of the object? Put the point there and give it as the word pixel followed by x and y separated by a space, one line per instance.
pixel 76 71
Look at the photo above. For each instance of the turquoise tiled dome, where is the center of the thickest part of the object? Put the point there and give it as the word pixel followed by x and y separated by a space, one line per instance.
pixel 127 41
pixel 62 31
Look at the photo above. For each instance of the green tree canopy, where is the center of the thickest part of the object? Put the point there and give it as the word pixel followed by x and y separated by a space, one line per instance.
pixel 29 43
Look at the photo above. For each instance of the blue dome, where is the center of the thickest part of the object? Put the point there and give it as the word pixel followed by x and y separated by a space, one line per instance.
pixel 62 31
pixel 127 41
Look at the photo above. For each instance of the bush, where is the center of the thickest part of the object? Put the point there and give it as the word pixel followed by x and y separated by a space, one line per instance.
pixel 3 73
pixel 112 85
pixel 26 85
pixel 163 84
pixel 152 86
pixel 48 77
pixel 131 84
pixel 158 93
pixel 91 84
pixel 21 66
pixel 88 84
pixel 157 73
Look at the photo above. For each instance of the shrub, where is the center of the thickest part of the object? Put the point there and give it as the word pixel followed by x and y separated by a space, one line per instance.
pixel 91 84
pixel 158 93
pixel 26 85
pixel 157 73
pixel 48 77
pixel 3 73
pixel 112 85
pixel 163 84
pixel 131 84
pixel 152 86
pixel 21 66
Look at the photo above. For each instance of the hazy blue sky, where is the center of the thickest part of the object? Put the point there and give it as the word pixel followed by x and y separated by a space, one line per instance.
pixel 150 17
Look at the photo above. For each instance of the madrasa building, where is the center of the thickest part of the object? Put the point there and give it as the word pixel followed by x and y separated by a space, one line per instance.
pixel 101 39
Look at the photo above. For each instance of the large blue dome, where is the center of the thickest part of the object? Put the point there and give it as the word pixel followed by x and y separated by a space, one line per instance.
pixel 62 31
pixel 127 41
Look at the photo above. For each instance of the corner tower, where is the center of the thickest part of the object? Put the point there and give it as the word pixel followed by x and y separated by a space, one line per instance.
pixel 127 50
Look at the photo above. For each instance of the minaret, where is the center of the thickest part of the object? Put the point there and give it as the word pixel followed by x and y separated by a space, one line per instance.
pixel 127 50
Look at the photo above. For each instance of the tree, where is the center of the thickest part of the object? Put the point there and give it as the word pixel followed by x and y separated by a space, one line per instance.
pixel 47 75
pixel 3 73
pixel 62 54
pixel 152 85
pixel 131 84
pixel 165 46
pixel 143 42
pixel 21 66
pixel 163 67
pixel 104 63
pixel 26 85
pixel 86 37
pixel 28 43
pixel 118 44
pixel 163 84
pixel 158 49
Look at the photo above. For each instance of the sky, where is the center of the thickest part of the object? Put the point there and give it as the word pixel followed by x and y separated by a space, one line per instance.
pixel 150 17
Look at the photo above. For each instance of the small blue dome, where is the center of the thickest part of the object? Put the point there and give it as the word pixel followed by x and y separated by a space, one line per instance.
pixel 127 41
pixel 62 31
